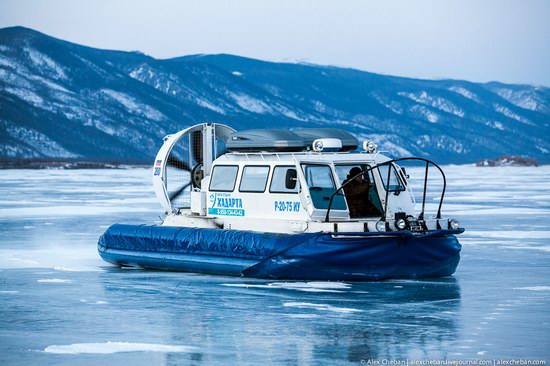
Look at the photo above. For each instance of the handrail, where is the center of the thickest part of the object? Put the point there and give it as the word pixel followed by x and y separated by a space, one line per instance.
pixel 421 215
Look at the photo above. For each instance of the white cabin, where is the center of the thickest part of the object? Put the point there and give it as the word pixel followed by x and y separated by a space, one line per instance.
pixel 289 191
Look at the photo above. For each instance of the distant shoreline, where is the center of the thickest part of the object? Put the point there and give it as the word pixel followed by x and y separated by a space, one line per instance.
pixel 84 164
pixel 69 164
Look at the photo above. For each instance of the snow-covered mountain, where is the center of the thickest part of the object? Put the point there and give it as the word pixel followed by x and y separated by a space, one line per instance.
pixel 62 100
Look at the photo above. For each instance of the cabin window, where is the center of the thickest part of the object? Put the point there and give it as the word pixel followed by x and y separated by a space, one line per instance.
pixel 278 181
pixel 223 178
pixel 321 187
pixel 254 179
pixel 395 183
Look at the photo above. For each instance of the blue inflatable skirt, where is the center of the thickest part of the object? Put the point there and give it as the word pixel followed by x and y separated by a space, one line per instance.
pixel 359 256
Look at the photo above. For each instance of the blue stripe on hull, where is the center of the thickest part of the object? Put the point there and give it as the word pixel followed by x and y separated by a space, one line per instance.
pixel 310 256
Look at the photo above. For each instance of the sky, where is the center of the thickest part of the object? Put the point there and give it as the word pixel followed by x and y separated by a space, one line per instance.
pixel 476 40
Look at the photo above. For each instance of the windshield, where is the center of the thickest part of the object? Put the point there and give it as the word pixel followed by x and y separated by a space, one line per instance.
pixel 395 183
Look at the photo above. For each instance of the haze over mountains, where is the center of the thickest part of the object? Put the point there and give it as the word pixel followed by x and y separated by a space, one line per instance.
pixel 61 100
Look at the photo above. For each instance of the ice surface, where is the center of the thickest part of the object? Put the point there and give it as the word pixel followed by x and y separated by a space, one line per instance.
pixel 321 307
pixel 81 269
pixel 509 234
pixel 534 288
pixel 116 347
pixel 497 302
pixel 334 287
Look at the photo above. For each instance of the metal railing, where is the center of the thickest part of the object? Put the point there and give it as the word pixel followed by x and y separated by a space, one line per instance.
pixel 389 163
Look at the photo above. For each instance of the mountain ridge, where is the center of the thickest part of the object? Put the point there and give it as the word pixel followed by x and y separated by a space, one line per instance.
pixel 63 100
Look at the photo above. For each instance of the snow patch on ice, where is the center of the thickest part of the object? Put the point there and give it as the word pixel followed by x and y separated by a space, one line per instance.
pixel 302 316
pixel 53 280
pixel 511 234
pixel 81 269
pixel 116 347
pixel 237 73
pixel 534 288
pixel 67 210
pixel 321 307
pixel 540 248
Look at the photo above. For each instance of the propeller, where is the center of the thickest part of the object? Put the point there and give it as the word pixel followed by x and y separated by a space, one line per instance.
pixel 177 163
pixel 177 193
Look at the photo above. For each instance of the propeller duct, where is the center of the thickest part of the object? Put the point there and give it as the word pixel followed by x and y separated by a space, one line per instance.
pixel 184 160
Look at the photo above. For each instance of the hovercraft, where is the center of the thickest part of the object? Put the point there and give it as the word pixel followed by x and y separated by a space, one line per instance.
pixel 277 204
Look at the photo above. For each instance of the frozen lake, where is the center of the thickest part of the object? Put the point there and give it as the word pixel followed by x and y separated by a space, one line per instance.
pixel 61 304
